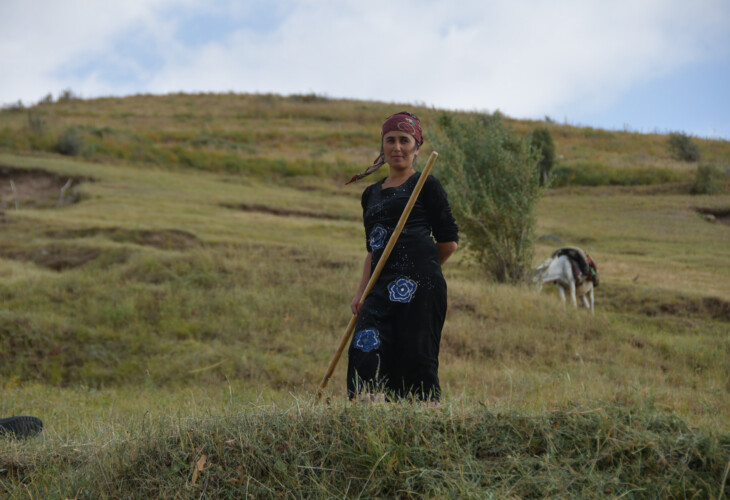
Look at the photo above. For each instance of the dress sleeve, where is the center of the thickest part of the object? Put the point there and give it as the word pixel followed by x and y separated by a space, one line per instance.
pixel 443 225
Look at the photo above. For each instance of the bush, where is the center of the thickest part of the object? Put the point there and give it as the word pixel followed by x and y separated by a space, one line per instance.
pixel 683 148
pixel 67 95
pixel 583 173
pixel 15 107
pixel 708 180
pixel 35 122
pixel 70 143
pixel 542 141
pixel 492 179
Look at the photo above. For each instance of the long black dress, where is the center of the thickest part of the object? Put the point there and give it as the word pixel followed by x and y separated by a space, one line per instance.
pixel 395 346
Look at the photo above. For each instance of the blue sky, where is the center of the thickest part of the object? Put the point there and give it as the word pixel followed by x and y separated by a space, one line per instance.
pixel 695 98
pixel 640 65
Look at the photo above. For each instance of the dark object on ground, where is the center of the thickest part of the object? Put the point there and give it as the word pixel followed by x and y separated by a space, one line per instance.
pixel 550 237
pixel 20 427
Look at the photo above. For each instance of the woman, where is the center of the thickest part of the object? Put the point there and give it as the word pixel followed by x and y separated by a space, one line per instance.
pixel 394 350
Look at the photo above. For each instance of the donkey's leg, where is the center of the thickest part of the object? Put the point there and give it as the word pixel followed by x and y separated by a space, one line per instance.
pixel 572 294
pixel 584 301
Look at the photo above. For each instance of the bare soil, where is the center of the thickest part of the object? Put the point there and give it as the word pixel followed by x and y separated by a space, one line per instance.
pixel 164 239
pixel 68 252
pixel 36 188
pixel 55 257
pixel 625 300
pixel 287 212
pixel 721 215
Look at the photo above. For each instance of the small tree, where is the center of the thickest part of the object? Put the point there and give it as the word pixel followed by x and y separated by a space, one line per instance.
pixel 67 95
pixel 492 179
pixel 70 143
pixel 683 148
pixel 542 141
pixel 708 180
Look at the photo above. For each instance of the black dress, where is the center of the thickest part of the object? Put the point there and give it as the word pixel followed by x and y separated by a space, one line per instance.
pixel 395 346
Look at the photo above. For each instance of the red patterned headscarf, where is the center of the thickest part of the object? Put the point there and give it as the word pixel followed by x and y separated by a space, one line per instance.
pixel 403 121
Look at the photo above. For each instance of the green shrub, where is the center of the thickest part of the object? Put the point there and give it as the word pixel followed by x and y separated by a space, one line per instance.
pixel 683 148
pixel 492 179
pixel 588 174
pixel 35 122
pixel 14 107
pixel 708 180
pixel 67 95
pixel 70 143
pixel 542 141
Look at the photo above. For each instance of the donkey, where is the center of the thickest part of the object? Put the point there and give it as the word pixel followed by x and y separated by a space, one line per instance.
pixel 559 270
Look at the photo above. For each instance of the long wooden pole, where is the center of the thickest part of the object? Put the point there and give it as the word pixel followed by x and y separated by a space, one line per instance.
pixel 376 273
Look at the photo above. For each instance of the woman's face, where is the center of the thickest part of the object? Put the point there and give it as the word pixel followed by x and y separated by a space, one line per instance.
pixel 400 149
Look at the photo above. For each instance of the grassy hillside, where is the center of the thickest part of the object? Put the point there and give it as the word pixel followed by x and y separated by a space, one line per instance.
pixel 275 136
pixel 199 266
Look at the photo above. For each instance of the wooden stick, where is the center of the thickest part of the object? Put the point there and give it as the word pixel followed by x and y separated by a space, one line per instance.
pixel 376 273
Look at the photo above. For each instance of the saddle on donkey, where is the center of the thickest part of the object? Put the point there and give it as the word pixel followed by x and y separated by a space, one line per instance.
pixel 583 266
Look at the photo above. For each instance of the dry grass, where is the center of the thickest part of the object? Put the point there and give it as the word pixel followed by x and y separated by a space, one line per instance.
pixel 210 293
pixel 305 135
pixel 193 294
pixel 655 241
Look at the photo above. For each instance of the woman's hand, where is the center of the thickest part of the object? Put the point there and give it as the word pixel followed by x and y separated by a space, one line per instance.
pixel 355 305
pixel 446 249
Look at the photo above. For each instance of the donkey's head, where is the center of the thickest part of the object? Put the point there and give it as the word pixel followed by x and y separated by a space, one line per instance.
pixel 538 273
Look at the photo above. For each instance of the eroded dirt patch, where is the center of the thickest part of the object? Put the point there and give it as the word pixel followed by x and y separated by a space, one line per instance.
pixel 286 212
pixel 37 188
pixel 624 299
pixel 164 239
pixel 721 215
pixel 57 258
pixel 682 306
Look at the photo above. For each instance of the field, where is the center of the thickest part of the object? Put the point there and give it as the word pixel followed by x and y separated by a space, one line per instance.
pixel 174 285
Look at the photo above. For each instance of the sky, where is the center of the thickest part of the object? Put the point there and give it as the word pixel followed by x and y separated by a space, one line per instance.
pixel 639 65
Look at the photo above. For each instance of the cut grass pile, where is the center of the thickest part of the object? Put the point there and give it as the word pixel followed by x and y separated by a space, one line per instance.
pixel 402 450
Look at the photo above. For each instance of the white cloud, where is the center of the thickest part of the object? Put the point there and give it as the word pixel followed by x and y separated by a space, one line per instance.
pixel 525 57
pixel 38 38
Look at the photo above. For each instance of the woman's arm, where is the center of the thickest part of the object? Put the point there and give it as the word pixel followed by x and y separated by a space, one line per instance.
pixel 443 226
pixel 446 249
pixel 356 305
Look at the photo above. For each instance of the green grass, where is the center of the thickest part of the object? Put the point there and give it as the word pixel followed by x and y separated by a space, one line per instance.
pixel 177 310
